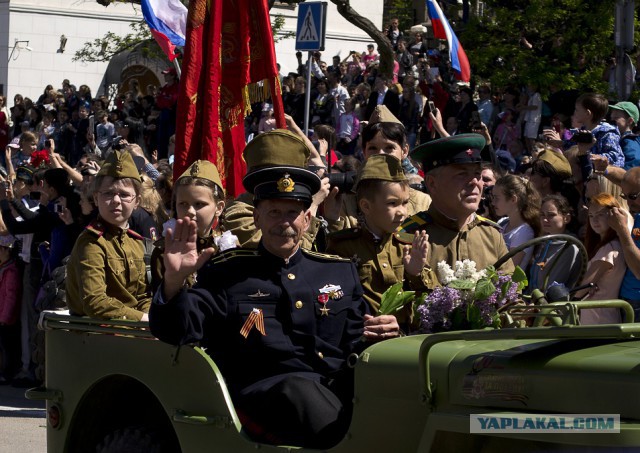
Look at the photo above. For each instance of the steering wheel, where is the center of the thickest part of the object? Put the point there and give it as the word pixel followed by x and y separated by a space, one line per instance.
pixel 568 240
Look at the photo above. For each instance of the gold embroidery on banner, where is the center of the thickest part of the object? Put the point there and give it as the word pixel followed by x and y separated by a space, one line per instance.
pixel 197 12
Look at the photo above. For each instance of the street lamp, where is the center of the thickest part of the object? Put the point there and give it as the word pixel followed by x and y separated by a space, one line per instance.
pixel 19 45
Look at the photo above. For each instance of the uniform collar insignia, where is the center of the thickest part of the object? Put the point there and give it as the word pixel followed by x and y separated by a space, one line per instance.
pixel 259 294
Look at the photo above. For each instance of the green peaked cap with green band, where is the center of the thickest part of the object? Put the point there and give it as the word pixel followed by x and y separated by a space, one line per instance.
pixel 384 167
pixel 119 165
pixel 456 149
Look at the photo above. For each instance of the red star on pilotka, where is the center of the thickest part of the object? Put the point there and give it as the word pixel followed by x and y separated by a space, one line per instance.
pixel 469 152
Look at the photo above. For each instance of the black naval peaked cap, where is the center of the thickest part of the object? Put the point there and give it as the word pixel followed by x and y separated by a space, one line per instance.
pixel 456 149
pixel 277 171
pixel 282 183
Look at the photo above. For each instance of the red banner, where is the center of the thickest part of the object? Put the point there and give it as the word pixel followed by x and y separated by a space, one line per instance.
pixel 229 62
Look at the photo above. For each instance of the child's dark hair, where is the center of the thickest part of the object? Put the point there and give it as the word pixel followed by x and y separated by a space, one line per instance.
pixel 391 131
pixel 596 103
pixel 528 198
pixel 564 208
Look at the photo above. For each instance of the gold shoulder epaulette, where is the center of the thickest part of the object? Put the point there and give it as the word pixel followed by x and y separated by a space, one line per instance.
pixel 325 256
pixel 230 254
pixel 489 222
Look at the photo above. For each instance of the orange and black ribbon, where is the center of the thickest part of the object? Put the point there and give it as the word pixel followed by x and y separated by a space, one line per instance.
pixel 255 319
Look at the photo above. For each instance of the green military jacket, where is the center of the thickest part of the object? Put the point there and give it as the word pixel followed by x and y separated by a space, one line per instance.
pixel 418 201
pixel 238 218
pixel 479 240
pixel 379 263
pixel 106 275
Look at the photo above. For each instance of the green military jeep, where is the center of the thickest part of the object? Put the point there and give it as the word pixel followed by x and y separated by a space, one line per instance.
pixel 112 387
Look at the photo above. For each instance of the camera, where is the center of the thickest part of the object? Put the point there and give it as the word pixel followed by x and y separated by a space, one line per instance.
pixel 343 181
pixel 475 122
pixel 115 143
pixel 582 137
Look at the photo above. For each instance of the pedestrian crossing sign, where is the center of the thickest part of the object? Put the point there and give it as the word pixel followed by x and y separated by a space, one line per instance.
pixel 311 26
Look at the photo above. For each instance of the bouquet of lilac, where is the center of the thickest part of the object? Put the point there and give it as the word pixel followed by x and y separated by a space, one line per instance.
pixel 469 298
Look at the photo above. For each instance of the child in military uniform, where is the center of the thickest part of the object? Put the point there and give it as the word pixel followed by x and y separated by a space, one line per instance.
pixel 197 194
pixel 382 193
pixel 106 275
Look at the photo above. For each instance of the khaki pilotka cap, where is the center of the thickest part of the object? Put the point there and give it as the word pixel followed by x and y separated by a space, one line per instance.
pixel 203 169
pixel 383 167
pixel 119 165
pixel 382 114
pixel 278 147
pixel 558 161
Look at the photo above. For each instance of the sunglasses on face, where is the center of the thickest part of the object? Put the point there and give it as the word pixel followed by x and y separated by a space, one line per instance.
pixel 631 196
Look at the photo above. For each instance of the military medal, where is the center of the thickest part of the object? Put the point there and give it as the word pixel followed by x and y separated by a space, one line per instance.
pixel 255 319
pixel 328 292
pixel 323 299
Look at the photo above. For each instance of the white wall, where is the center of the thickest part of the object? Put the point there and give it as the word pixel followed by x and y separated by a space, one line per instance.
pixel 41 22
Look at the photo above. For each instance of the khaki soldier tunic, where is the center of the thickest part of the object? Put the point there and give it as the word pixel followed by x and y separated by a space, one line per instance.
pixel 238 218
pixel 418 202
pixel 106 275
pixel 480 240
pixel 379 263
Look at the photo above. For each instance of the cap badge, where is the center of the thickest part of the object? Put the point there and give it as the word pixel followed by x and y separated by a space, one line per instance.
pixel 195 169
pixel 286 184
pixel 469 152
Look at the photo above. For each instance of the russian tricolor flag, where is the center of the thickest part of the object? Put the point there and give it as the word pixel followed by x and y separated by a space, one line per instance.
pixel 167 20
pixel 442 30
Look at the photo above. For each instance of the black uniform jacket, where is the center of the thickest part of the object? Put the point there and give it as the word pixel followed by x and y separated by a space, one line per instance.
pixel 312 306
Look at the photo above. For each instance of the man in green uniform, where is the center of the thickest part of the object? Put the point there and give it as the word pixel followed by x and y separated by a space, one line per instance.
pixel 452 167
pixel 106 274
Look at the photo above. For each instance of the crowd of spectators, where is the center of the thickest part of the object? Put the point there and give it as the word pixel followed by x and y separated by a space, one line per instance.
pixel 550 157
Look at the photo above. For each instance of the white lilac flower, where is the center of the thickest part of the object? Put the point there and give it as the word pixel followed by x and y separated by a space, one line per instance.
pixel 445 273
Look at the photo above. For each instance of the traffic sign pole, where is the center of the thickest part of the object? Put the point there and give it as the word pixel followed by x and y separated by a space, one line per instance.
pixel 307 95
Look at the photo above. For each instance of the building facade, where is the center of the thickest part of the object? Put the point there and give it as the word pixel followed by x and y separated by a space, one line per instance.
pixel 38 39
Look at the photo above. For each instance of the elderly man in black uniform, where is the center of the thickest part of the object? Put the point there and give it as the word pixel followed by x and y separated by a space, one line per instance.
pixel 280 321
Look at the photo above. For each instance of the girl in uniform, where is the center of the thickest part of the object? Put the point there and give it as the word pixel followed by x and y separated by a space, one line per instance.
pixel 197 194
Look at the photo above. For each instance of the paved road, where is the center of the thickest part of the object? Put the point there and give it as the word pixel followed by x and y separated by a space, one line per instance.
pixel 22 423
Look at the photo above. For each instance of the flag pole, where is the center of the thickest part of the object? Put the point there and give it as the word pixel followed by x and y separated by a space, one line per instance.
pixel 176 65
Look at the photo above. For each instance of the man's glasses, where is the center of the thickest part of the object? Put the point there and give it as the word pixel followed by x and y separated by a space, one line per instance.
pixel 631 196
pixel 124 196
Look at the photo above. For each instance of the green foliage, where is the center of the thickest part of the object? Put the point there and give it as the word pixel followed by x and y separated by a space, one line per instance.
pixel 402 9
pixel 103 49
pixel 561 34
pixel 276 27
pixel 394 299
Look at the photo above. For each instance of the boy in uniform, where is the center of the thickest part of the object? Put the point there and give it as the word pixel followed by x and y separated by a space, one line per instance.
pixel 106 274
pixel 382 194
